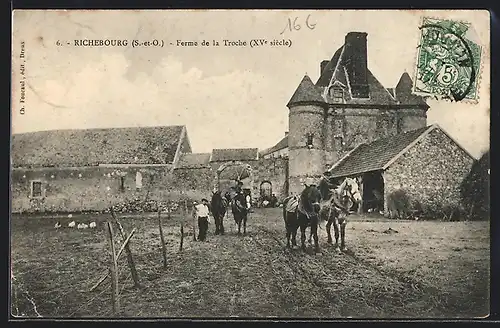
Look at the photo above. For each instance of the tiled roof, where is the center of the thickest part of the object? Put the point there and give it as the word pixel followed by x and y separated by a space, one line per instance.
pixel 137 145
pixel 282 144
pixel 404 90
pixel 234 154
pixel 326 75
pixel 306 92
pixel 336 70
pixel 378 93
pixel 194 160
pixel 392 92
pixel 375 155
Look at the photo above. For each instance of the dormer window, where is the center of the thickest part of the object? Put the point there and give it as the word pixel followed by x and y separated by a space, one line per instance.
pixel 336 94
pixel 309 140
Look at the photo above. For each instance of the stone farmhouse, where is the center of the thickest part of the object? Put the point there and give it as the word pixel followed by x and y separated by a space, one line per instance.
pixel 346 124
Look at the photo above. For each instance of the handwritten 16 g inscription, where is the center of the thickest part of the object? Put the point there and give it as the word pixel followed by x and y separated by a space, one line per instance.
pixel 296 26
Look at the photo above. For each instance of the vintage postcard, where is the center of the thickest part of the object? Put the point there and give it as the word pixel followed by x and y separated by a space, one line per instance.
pixel 255 164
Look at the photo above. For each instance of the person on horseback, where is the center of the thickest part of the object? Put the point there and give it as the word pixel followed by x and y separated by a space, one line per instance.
pixel 239 186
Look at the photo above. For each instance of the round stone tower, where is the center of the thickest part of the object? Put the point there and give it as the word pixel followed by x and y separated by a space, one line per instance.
pixel 307 135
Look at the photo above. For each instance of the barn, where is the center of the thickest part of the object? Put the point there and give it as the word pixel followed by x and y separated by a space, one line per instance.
pixel 92 169
pixel 426 163
pixel 89 169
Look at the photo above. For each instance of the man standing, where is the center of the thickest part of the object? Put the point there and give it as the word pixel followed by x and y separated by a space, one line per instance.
pixel 202 213
pixel 274 201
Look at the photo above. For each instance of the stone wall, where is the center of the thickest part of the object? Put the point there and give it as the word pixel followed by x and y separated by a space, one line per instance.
pixel 273 170
pixel 412 119
pixel 430 172
pixel 85 188
pixel 193 181
pixel 97 188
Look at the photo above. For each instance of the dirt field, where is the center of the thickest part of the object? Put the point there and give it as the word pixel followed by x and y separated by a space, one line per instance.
pixel 416 269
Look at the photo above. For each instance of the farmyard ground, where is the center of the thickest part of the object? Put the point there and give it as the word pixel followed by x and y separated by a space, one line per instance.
pixel 413 269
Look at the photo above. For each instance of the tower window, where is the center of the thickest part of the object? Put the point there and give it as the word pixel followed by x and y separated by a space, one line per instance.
pixel 309 140
pixel 337 94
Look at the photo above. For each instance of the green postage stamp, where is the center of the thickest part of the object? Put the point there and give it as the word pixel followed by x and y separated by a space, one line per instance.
pixel 448 61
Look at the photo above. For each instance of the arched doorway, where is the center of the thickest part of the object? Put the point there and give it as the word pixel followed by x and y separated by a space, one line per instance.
pixel 266 190
pixel 228 173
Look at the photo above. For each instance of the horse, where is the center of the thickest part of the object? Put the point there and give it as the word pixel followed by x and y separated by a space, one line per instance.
pixel 240 207
pixel 335 209
pixel 303 212
pixel 219 205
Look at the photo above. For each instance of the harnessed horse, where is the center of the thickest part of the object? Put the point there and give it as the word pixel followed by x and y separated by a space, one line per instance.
pixel 336 209
pixel 240 207
pixel 303 212
pixel 219 205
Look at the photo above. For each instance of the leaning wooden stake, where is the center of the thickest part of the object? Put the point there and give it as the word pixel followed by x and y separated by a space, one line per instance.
pixel 117 257
pixel 162 239
pixel 130 259
pixel 114 272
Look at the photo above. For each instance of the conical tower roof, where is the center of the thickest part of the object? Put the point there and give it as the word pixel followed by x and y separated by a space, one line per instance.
pixel 306 92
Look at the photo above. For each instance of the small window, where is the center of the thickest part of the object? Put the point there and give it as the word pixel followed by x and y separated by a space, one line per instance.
pixel 337 94
pixel 36 189
pixel 309 140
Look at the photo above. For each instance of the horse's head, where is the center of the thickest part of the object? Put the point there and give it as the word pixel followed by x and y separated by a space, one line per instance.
pixel 311 197
pixel 352 189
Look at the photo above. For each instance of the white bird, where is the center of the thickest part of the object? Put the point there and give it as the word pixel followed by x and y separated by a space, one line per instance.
pixel 57 225
pixel 70 216
pixel 71 224
pixel 85 226
pixel 92 225
pixel 79 226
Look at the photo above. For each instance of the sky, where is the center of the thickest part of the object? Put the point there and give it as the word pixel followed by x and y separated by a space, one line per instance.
pixel 228 97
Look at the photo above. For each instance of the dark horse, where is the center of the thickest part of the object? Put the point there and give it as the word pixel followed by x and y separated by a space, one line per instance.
pixel 219 207
pixel 240 207
pixel 303 212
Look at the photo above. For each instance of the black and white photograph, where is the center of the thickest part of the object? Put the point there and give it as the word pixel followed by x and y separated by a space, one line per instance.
pixel 250 164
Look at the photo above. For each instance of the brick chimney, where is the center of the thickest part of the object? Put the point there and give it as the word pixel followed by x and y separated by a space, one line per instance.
pixel 322 66
pixel 356 63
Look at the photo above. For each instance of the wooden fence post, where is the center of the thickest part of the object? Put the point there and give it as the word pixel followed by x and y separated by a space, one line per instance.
pixel 130 259
pixel 114 272
pixel 182 236
pixel 361 188
pixel 194 219
pixel 162 239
